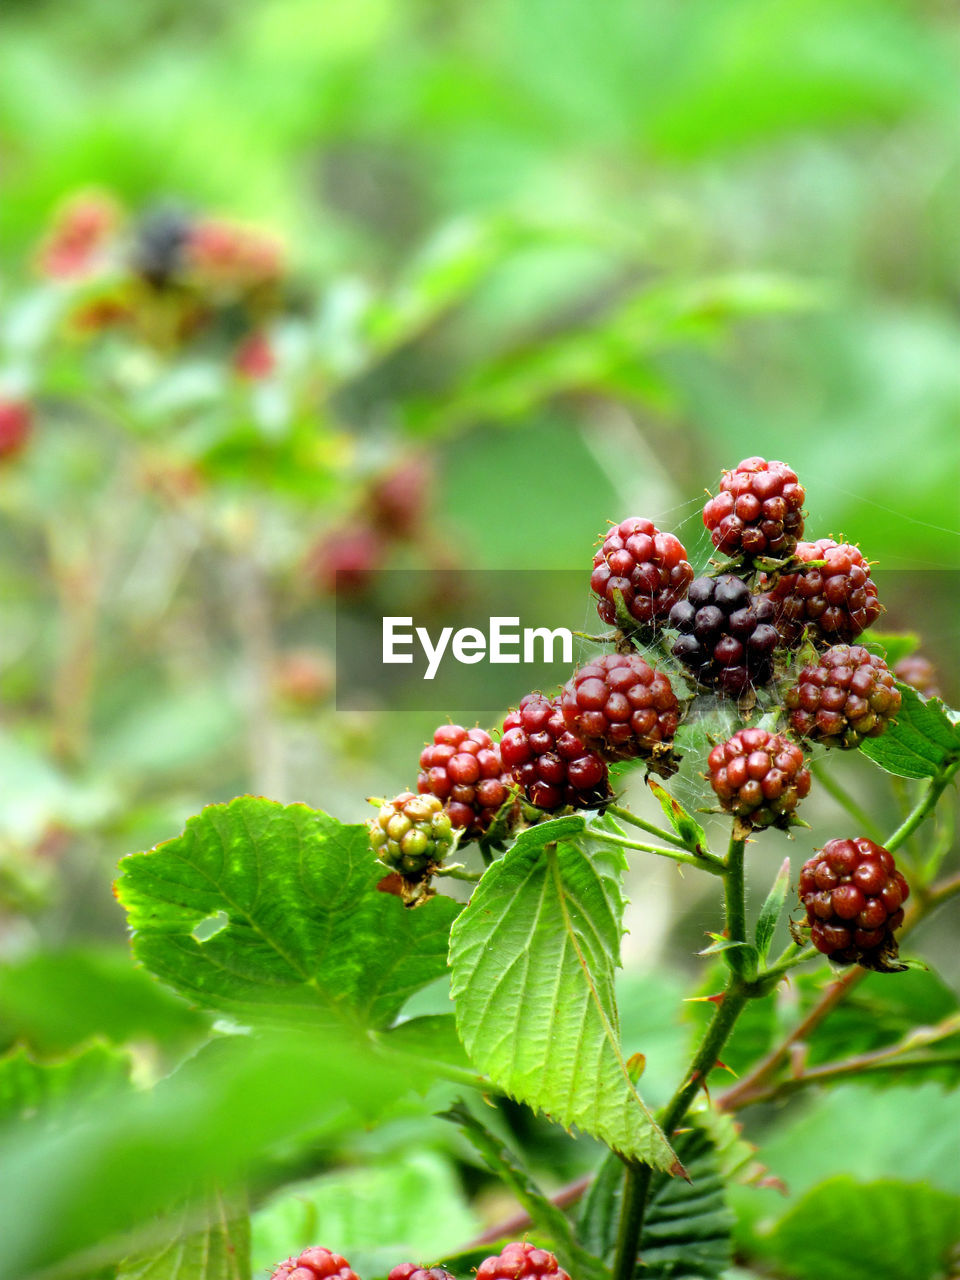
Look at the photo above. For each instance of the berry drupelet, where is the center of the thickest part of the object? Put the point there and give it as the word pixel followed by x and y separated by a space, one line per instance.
pixel 412 834
pixel 759 777
pixel 551 764
pixel 647 567
pixel 834 602
pixel 621 707
pixel 853 896
pixel 727 636
pixel 849 695
pixel 462 767
pixel 758 511
pixel 315 1264
pixel 521 1262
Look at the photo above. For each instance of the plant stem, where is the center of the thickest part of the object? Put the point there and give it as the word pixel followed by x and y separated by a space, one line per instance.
pixel 617 811
pixel 924 806
pixel 638 1178
pixel 708 863
pixel 846 801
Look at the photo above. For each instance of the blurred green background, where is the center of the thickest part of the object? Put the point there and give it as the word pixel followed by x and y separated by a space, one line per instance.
pixel 583 253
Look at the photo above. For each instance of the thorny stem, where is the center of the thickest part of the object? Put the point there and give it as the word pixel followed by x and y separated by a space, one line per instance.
pixel 638 1178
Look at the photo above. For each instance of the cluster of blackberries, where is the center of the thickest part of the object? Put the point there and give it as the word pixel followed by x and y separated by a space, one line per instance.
pixel 760 777
pixel 517 1261
pixel 727 638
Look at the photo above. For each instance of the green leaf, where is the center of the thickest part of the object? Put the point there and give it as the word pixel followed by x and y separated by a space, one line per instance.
pixel 409 1206
pixel 221 1117
pixel 922 743
pixel 686 1230
pixel 30 1089
pixel 432 1036
pixel 772 909
pixel 544 1214
pixel 533 958
pixel 55 1000
pixel 891 645
pixel 848 1230
pixel 293 926
pixel 686 826
pixel 209 1243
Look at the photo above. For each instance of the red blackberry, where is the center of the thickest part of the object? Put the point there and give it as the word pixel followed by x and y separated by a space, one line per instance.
pixel 397 499
pixel 16 421
pixel 919 673
pixel 412 834
pixel 619 706
pixel 647 567
pixel 410 1271
pixel 727 637
pixel 849 695
pixel 758 511
pixel 853 895
pixel 836 602
pixel 315 1264
pixel 549 762
pixel 521 1262
pixel 759 777
pixel 346 559
pixel 462 767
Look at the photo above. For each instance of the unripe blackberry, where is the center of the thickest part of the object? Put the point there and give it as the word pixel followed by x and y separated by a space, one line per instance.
pixel 621 707
pixel 849 695
pixel 647 567
pixel 550 763
pixel 410 1271
pixel 521 1262
pixel 759 777
pixel 16 423
pixel 462 767
pixel 412 833
pixel 727 636
pixel 397 499
pixel 920 674
pixel 315 1264
pixel 853 895
pixel 346 559
pixel 758 511
pixel 835 602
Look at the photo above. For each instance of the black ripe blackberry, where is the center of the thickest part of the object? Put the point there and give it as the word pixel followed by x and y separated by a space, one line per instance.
pixel 727 636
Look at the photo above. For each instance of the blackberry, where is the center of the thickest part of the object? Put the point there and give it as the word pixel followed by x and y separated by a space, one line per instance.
pixel 346 559
pixel 412 834
pixel 552 765
pixel 16 423
pixel 835 602
pixel 919 673
pixel 521 1262
pixel 759 777
pixel 397 499
pixel 849 695
pixel 410 1271
pixel 853 895
pixel 727 636
pixel 462 767
pixel 758 511
pixel 619 706
pixel 315 1264
pixel 647 567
